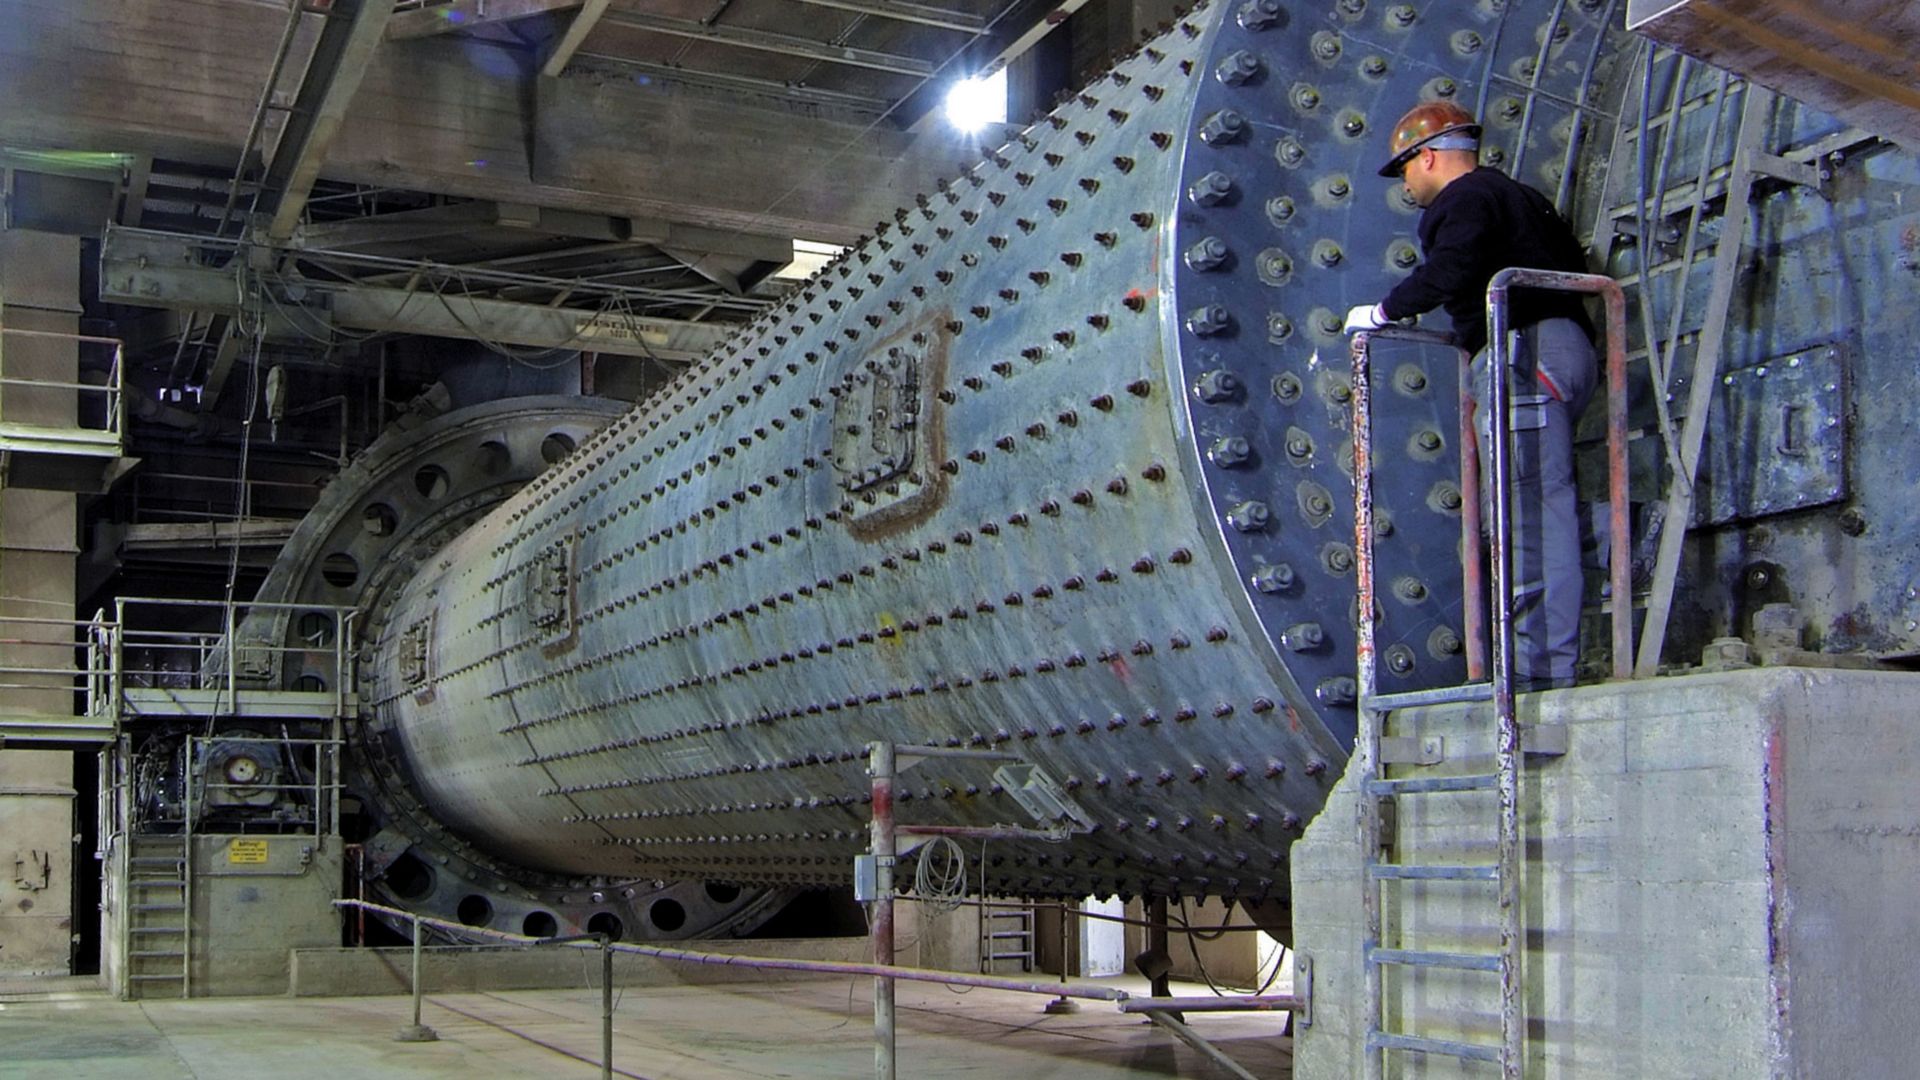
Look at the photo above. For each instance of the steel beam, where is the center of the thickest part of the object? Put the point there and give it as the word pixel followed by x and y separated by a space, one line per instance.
pixel 730 81
pixel 468 14
pixel 573 37
pixel 923 14
pixel 766 41
pixel 348 40
pixel 155 270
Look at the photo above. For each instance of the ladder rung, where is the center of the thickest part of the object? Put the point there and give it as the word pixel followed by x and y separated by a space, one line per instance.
pixel 157 883
pixel 155 954
pixel 1025 955
pixel 1431 784
pixel 159 907
pixel 1016 934
pixel 155 860
pixel 157 977
pixel 1434 873
pixel 156 929
pixel 1424 958
pixel 1439 695
pixel 1386 1040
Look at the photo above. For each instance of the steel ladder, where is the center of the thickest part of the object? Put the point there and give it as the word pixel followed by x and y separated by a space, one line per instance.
pixel 1377 748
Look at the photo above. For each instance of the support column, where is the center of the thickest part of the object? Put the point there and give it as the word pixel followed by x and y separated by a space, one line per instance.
pixel 39 290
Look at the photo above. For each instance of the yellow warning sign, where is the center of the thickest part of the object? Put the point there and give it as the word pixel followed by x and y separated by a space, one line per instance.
pixel 246 852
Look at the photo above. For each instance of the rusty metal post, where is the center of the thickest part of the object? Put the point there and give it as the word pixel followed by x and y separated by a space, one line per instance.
pixel 1473 578
pixel 880 758
pixel 1620 563
pixel 1507 725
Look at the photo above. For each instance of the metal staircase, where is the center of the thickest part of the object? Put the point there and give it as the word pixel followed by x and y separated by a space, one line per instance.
pixel 159 924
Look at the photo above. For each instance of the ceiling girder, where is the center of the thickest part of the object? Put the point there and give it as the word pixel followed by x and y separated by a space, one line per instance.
pixel 348 39
pixel 767 41
pixel 151 269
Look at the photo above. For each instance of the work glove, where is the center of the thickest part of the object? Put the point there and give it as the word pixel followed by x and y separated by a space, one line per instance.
pixel 1367 317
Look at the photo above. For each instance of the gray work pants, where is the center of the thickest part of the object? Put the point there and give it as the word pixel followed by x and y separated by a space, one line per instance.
pixel 1554 375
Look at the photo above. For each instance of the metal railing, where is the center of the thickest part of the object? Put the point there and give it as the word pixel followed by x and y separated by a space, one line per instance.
pixel 418 1032
pixel 66 656
pixel 171 653
pixel 110 420
pixel 322 787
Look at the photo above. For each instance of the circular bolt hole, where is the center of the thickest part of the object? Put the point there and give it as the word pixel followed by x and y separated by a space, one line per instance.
pixel 316 628
pixel 474 910
pixel 667 915
pixel 555 447
pixel 495 459
pixel 379 519
pixel 432 482
pixel 606 922
pixel 539 924
pixel 339 570
pixel 721 892
pixel 409 878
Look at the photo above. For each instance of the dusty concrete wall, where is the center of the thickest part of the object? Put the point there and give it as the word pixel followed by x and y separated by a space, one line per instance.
pixel 1230 960
pixel 248 916
pixel 39 288
pixel 1718 883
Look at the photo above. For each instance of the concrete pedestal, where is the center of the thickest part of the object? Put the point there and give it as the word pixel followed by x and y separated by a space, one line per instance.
pixel 1719 881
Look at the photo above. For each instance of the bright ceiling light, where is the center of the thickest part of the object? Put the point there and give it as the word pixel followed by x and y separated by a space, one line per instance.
pixel 974 103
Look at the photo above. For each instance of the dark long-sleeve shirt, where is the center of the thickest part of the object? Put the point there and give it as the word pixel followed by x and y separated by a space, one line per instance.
pixel 1482 223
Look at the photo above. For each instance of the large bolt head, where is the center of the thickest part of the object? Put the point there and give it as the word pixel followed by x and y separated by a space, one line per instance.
pixel 1216 387
pixel 1301 637
pixel 1211 189
pixel 1340 690
pixel 1229 452
pixel 1249 516
pixel 1260 14
pixel 1222 127
pixel 1207 320
pixel 1237 67
pixel 1273 579
pixel 1207 254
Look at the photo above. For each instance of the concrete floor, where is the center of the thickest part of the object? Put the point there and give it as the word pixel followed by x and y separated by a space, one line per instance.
pixel 799 1028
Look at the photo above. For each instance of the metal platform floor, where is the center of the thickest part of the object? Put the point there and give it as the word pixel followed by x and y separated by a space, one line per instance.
pixel 797 1029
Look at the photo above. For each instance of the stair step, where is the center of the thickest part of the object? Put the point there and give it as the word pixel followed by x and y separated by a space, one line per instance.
pixel 1434 872
pixel 1440 695
pixel 1433 784
pixel 1386 1040
pixel 1428 958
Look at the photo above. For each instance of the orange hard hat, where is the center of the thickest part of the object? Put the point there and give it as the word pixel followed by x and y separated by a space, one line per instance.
pixel 1441 125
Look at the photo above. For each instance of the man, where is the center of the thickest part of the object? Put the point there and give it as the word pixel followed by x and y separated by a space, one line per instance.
pixel 1477 221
